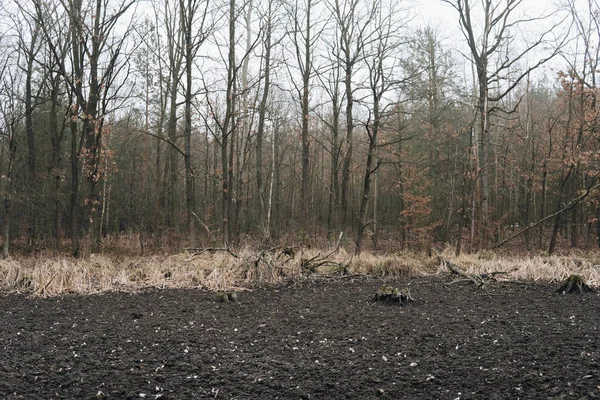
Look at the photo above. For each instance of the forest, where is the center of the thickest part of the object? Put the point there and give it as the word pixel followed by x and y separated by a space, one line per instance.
pixel 223 123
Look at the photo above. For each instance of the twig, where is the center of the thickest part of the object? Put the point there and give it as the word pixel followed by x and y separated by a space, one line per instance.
pixel 458 281
pixel 198 251
pixel 337 245
pixel 493 274
pixel 48 284
pixel 204 225
pixel 343 276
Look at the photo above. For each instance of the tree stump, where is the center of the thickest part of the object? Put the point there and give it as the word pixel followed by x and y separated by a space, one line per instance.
pixel 226 297
pixel 389 294
pixel 575 284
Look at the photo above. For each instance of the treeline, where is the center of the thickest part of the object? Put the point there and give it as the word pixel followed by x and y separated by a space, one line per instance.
pixel 201 123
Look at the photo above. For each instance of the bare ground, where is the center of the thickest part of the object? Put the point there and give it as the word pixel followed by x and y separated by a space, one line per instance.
pixel 311 340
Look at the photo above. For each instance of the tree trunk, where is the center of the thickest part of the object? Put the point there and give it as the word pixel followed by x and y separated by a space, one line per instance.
pixel 227 135
pixel 305 191
pixel 55 165
pixel 12 147
pixel 190 46
pixel 158 184
pixel 555 227
pixel 272 183
pixel 31 149
pixel 333 206
pixel 369 170
pixel 262 220
pixel 74 209
pixel 173 164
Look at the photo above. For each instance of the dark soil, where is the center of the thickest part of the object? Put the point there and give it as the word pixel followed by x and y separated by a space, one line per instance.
pixel 317 340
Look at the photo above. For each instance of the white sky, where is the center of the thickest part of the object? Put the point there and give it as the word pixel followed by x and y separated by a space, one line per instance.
pixel 444 18
pixel 438 13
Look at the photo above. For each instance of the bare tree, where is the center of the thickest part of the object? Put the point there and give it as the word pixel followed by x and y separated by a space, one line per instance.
pixel 487 37
pixel 27 31
pixel 331 82
pixel 97 62
pixel 11 114
pixel 226 124
pixel 196 26
pixel 352 22
pixel 268 20
pixel 304 36
pixel 582 116
pixel 381 58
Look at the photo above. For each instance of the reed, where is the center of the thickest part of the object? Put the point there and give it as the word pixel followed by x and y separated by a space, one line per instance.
pixel 220 270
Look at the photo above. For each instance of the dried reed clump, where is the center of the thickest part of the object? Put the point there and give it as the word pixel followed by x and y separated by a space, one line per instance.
pixel 98 273
pixel 211 270
pixel 222 270
pixel 13 276
pixel 397 265
pixel 531 268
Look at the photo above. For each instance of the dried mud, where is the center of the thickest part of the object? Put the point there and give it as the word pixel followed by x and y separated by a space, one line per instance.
pixel 314 340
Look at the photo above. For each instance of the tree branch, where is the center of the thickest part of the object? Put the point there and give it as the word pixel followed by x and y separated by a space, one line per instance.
pixel 569 206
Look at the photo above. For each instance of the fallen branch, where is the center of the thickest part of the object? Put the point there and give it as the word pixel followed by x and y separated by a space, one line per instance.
pixel 478 280
pixel 458 281
pixel 456 270
pixel 310 265
pixel 197 251
pixel 204 225
pixel 493 274
pixel 568 207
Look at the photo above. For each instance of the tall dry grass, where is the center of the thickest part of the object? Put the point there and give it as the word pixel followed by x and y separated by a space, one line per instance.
pixel 51 276
pixel 555 268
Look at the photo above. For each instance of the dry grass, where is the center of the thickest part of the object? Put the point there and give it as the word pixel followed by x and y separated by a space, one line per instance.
pixel 392 265
pixel 544 268
pixel 51 276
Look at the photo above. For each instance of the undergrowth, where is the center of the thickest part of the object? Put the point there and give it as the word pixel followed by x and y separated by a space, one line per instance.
pixel 247 268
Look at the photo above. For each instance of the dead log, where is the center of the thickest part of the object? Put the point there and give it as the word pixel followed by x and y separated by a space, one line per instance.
pixel 309 266
pixel 456 270
pixel 478 280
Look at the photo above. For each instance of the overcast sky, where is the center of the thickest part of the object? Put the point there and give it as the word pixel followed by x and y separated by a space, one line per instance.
pixel 444 18
pixel 439 13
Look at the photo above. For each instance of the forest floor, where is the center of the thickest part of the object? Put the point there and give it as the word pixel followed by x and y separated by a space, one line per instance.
pixel 315 339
